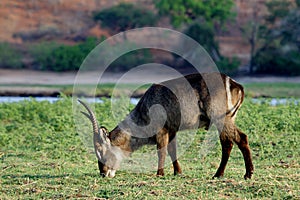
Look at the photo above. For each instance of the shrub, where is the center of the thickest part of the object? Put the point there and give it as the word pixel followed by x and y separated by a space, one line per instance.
pixel 41 52
pixel 205 36
pixel 228 65
pixel 277 62
pixel 55 57
pixel 280 50
pixel 130 60
pixel 10 57
pixel 124 17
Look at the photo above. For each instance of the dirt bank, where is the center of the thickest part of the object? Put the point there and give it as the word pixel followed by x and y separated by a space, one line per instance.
pixel 36 83
pixel 30 77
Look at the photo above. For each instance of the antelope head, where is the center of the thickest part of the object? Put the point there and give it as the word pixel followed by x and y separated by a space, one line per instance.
pixel 109 157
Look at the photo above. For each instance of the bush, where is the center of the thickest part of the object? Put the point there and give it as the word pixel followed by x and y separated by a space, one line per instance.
pixel 130 60
pixel 10 57
pixel 275 61
pixel 204 35
pixel 40 53
pixel 228 65
pixel 55 57
pixel 124 17
pixel 280 50
pixel 65 58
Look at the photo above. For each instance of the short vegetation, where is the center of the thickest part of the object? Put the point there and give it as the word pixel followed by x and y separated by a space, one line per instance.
pixel 10 56
pixel 43 156
pixel 57 57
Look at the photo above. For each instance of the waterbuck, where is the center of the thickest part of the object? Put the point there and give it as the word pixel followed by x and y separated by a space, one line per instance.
pixel 190 102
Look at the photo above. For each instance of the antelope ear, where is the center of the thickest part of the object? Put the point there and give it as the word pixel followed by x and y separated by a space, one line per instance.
pixel 103 133
pixel 104 129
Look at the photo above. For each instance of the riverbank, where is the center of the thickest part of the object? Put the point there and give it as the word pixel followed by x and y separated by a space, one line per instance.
pixel 37 83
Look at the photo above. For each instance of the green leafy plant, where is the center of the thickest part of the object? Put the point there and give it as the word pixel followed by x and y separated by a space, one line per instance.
pixel 40 53
pixel 42 156
pixel 204 19
pixel 228 65
pixel 279 53
pixel 57 57
pixel 204 35
pixel 274 61
pixel 131 60
pixel 125 16
pixel 10 57
pixel 187 11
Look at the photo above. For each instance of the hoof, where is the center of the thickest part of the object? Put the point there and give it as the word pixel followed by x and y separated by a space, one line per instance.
pixel 216 176
pixel 160 172
pixel 248 176
pixel 177 173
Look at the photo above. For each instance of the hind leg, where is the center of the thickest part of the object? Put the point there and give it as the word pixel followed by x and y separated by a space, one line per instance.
pixel 226 150
pixel 162 139
pixel 173 154
pixel 243 144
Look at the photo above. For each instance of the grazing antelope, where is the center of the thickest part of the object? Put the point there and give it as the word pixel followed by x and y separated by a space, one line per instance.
pixel 193 101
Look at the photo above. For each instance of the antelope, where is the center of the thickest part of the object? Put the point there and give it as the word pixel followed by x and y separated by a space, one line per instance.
pixel 189 102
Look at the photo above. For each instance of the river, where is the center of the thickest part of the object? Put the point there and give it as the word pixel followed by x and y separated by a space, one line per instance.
pixel 12 99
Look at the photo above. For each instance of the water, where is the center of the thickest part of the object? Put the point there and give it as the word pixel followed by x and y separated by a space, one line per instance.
pixel 5 99
pixel 272 102
pixel 276 102
pixel 18 99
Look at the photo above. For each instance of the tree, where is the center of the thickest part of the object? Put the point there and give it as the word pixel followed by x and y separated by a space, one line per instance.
pixel 124 17
pixel 250 29
pixel 204 18
pixel 203 35
pixel 187 11
pixel 280 51
pixel 121 18
pixel 272 27
pixel 290 28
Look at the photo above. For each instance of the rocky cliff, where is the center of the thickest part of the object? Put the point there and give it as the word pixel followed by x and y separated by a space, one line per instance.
pixel 65 20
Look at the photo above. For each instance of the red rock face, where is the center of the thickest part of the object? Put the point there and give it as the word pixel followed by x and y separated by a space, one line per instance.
pixel 64 20
pixel 61 18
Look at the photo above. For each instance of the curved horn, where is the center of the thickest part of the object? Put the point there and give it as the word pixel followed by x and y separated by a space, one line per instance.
pixel 97 132
pixel 91 116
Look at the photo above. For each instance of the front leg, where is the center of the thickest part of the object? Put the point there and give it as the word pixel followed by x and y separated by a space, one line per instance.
pixel 162 139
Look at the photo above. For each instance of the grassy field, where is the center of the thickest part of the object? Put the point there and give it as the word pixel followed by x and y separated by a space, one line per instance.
pixel 42 156
pixel 275 90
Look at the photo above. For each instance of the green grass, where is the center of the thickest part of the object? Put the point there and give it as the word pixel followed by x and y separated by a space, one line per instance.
pixel 42 156
pixel 275 90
